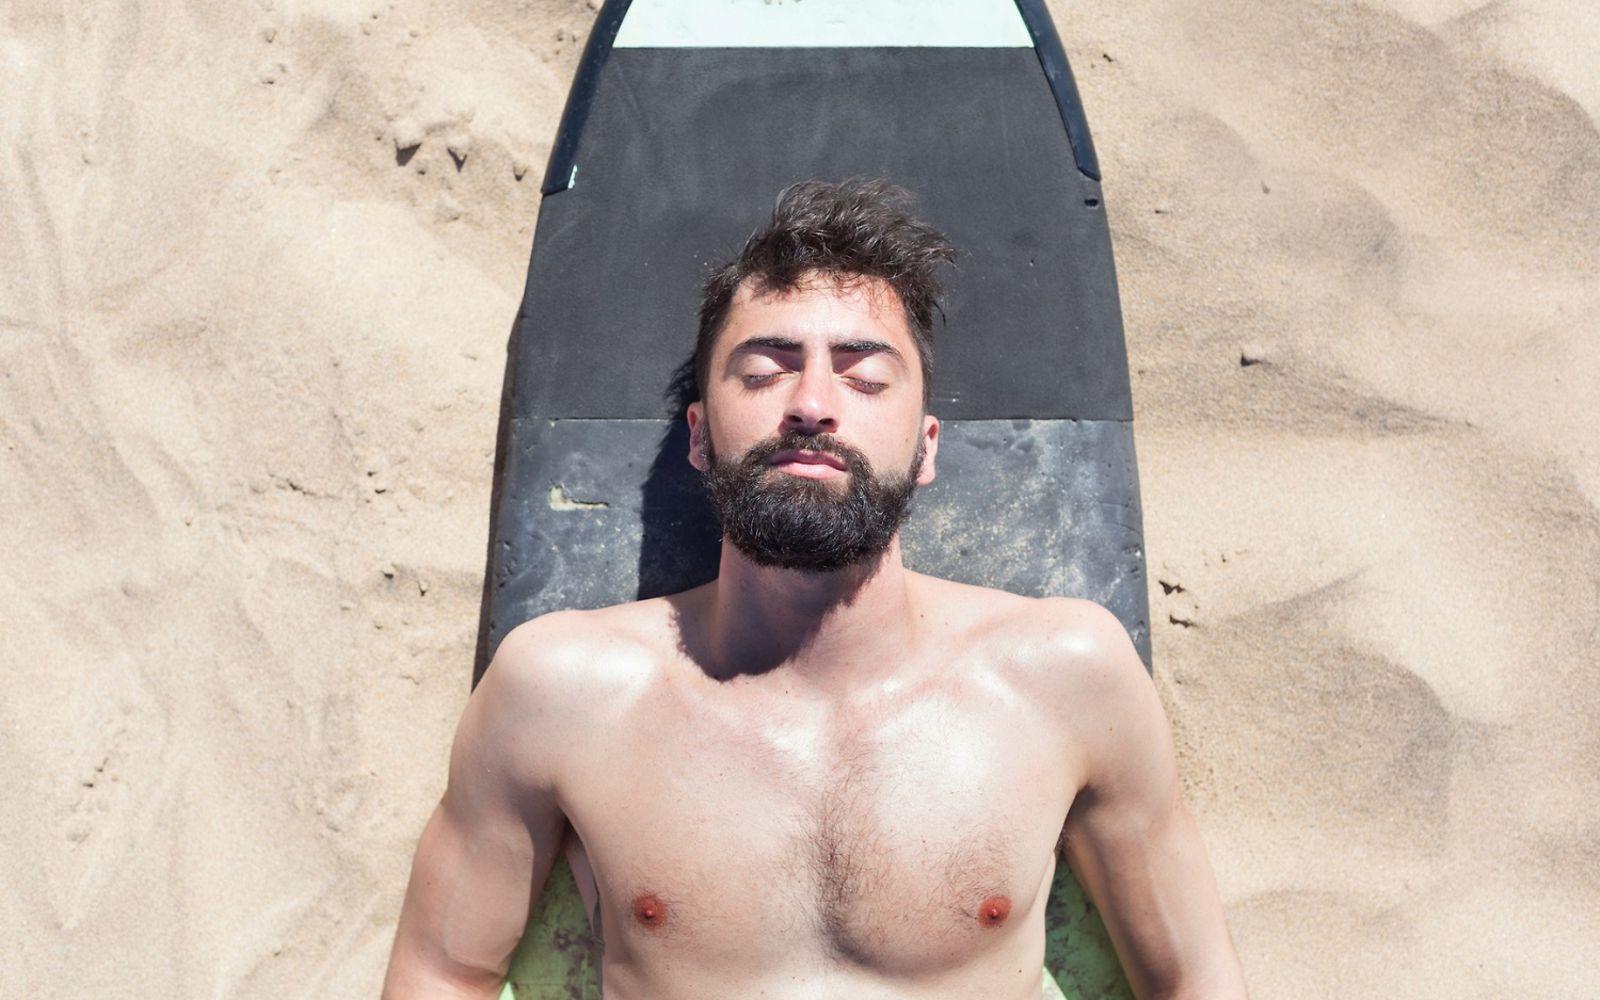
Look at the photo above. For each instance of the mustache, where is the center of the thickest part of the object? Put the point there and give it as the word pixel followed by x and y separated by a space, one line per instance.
pixel 825 444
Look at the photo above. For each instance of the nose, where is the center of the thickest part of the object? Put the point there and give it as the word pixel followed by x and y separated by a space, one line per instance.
pixel 812 407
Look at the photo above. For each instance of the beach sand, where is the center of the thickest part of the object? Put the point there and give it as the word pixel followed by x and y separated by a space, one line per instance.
pixel 260 263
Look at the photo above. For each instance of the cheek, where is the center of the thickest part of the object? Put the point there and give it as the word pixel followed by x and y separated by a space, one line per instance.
pixel 913 438
pixel 731 431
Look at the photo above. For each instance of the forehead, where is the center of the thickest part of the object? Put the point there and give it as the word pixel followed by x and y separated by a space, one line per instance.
pixel 820 307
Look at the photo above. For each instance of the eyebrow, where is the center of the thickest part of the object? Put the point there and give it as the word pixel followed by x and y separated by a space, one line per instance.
pixel 841 346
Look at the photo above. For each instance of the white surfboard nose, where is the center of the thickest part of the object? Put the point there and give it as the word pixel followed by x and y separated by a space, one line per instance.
pixel 823 23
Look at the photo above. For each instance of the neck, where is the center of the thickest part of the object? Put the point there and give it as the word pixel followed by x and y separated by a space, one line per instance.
pixel 834 629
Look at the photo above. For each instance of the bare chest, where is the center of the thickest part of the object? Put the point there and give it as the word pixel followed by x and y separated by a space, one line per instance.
pixel 906 841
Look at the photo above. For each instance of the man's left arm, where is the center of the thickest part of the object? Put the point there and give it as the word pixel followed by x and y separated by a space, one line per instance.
pixel 1129 837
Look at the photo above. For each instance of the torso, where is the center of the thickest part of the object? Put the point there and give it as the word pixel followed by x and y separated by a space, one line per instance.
pixel 749 840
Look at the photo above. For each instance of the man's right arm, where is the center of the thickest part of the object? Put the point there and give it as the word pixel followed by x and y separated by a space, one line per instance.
pixel 490 843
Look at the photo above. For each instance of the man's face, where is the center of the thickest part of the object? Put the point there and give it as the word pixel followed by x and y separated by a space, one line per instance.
pixel 811 433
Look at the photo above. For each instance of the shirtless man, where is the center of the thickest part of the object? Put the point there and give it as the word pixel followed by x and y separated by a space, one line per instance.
pixel 821 775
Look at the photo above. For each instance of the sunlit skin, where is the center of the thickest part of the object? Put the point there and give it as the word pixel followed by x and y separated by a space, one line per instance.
pixel 823 358
pixel 845 785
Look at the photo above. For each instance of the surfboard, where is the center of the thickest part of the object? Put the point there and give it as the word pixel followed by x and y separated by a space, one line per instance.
pixel 684 121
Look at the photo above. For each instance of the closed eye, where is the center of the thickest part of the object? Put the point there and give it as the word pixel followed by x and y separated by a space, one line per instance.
pixel 861 384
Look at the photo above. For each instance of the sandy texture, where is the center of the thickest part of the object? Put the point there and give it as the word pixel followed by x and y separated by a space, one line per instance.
pixel 259 264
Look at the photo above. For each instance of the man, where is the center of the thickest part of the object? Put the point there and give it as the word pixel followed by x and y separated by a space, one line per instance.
pixel 821 774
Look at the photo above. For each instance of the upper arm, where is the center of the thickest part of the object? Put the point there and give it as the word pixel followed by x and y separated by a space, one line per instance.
pixel 1129 837
pixel 494 835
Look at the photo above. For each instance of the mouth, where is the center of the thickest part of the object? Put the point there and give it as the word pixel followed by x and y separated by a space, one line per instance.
pixel 811 464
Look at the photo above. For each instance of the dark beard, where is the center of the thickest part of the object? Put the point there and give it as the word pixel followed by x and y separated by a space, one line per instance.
pixel 808 524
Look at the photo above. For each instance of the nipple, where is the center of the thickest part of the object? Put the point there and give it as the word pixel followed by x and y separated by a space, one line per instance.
pixel 992 912
pixel 649 910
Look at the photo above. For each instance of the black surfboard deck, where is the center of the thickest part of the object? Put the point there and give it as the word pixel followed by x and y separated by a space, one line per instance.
pixel 685 120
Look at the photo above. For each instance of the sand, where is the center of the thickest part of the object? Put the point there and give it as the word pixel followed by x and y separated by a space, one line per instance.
pixel 259 267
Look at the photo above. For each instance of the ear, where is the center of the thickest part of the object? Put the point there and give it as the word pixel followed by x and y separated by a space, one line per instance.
pixel 696 416
pixel 930 442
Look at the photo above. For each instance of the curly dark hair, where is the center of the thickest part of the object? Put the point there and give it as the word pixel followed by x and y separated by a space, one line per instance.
pixel 857 228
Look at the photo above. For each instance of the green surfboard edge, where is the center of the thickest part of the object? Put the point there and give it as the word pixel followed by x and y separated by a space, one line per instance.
pixel 1077 948
pixel 559 957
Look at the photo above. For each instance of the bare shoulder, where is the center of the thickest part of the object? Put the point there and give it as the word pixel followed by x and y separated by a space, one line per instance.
pixel 555 680
pixel 1064 639
pixel 575 657
pixel 1084 644
pixel 1083 661
pixel 1070 655
pixel 1079 652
